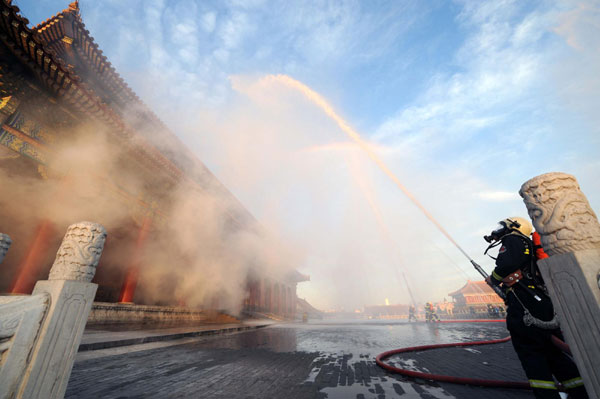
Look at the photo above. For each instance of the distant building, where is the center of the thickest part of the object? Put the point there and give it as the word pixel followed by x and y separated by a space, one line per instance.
pixel 444 307
pixel 474 297
pixel 386 311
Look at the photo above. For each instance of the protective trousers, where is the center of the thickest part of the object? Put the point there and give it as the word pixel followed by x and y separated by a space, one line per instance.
pixel 542 360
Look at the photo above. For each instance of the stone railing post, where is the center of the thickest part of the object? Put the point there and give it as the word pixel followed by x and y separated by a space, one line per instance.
pixel 5 242
pixel 570 234
pixel 71 296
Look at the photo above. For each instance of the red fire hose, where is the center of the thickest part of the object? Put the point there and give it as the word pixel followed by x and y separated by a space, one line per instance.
pixel 458 380
pixel 473 321
pixel 447 378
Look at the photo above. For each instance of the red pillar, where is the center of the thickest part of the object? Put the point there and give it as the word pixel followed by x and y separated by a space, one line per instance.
pixel 268 296
pixel 36 253
pixel 29 267
pixel 277 299
pixel 133 271
pixel 256 294
pixel 252 297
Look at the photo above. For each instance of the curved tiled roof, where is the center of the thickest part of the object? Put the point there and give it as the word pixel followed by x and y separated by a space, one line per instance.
pixel 65 31
pixel 43 49
pixel 58 78
pixel 68 23
pixel 474 287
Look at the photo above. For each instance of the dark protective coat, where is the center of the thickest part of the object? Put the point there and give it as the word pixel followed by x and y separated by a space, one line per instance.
pixel 540 359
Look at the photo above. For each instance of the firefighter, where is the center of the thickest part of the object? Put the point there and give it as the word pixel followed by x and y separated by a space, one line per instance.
pixel 434 316
pixel 411 313
pixel 530 316
pixel 430 315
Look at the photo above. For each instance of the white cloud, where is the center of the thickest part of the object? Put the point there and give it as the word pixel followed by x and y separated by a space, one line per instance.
pixel 497 67
pixel 576 76
pixel 231 31
pixel 209 21
pixel 498 196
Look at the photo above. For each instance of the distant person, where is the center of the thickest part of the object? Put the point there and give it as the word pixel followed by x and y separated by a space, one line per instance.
pixel 502 311
pixel 430 315
pixel 496 312
pixel 434 315
pixel 411 313
pixel 530 314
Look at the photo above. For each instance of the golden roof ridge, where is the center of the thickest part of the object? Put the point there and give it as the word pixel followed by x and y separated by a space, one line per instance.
pixel 72 9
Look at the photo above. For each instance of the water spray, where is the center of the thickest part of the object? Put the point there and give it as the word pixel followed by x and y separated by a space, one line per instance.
pixel 387 235
pixel 412 297
pixel 319 101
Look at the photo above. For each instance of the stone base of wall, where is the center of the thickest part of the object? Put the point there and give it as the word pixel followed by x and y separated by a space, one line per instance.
pixel 254 314
pixel 116 313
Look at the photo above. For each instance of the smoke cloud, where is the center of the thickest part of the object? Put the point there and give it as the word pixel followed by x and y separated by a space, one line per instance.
pixel 201 247
pixel 293 166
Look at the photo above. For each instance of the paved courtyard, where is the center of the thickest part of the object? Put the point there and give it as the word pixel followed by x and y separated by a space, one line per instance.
pixel 324 360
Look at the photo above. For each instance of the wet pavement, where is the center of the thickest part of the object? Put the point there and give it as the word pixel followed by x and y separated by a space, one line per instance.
pixel 322 360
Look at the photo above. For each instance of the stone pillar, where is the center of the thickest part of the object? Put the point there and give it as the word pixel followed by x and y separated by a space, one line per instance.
pixel 570 235
pixel 5 243
pixel 29 267
pixel 42 332
pixel 72 294
pixel 133 270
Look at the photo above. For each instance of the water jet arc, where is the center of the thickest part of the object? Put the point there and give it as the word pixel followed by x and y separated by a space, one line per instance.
pixel 319 101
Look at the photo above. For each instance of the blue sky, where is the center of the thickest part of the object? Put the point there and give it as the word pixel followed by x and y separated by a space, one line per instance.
pixel 464 100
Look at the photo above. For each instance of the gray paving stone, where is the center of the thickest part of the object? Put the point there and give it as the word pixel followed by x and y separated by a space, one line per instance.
pixel 266 363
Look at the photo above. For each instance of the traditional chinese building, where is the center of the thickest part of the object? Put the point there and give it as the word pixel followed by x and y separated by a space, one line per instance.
pixel 444 307
pixel 62 103
pixel 386 311
pixel 474 297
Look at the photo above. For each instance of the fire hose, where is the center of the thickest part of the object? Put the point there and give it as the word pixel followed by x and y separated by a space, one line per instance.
pixel 447 378
pixel 452 379
pixel 462 380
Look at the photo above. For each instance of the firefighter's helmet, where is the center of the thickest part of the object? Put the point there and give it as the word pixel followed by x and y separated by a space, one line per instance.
pixel 519 224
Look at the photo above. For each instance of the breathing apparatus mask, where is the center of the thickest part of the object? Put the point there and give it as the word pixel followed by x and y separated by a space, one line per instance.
pixel 497 233
pixel 512 225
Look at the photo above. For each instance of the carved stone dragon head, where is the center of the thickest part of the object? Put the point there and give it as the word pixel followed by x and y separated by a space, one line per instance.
pixel 79 252
pixel 561 213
